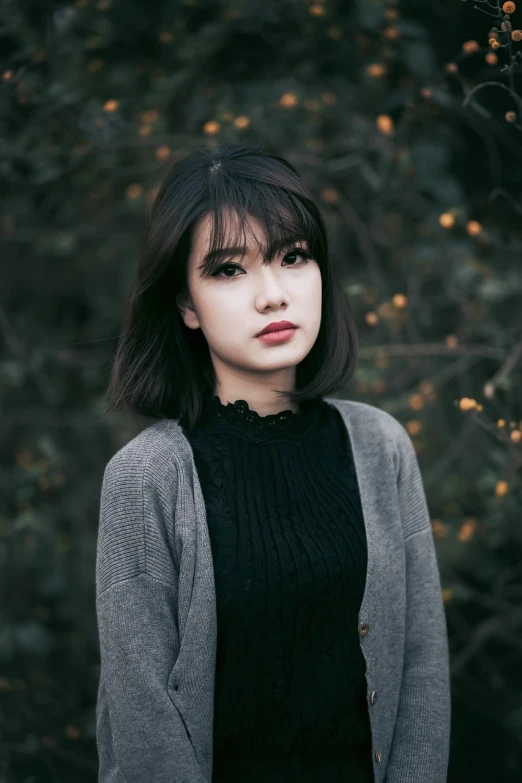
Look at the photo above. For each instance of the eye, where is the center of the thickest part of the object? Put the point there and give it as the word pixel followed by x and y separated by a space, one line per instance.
pixel 296 251
pixel 219 271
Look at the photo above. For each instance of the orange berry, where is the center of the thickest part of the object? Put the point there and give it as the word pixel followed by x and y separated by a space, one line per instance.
pixel 416 401
pixel 391 33
pixel 400 301
pixel 163 152
pixel 242 122
pixel 413 426
pixel 473 228
pixel 330 195
pixel 376 69
pixel 288 100
pixel 447 220
pixel 467 529
pixel 385 124
pixel 469 47
pixel 440 529
pixel 501 488
pixel 133 191
pixel 110 106
pixel 212 127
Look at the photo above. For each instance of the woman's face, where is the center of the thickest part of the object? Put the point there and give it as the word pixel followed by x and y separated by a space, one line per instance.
pixel 240 298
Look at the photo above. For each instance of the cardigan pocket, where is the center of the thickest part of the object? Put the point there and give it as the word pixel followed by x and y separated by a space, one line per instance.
pixel 196 711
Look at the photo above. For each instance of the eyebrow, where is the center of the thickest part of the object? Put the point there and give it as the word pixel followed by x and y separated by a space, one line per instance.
pixel 230 252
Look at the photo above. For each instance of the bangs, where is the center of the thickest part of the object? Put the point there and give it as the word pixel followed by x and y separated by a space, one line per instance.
pixel 283 218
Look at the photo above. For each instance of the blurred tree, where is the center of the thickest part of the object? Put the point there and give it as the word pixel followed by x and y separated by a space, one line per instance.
pixel 405 122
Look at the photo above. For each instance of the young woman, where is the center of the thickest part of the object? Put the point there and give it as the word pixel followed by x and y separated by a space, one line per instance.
pixel 268 596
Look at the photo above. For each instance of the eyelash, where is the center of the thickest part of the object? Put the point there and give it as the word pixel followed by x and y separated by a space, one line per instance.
pixel 295 251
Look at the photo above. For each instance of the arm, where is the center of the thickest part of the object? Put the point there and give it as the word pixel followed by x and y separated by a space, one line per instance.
pixel 140 734
pixel 420 746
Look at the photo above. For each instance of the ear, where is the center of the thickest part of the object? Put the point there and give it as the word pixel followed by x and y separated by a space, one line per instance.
pixel 187 311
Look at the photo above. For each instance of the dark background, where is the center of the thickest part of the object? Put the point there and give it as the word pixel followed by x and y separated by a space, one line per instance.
pixel 417 169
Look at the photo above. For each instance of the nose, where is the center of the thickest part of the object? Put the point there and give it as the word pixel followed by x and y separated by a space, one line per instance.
pixel 270 284
pixel 271 296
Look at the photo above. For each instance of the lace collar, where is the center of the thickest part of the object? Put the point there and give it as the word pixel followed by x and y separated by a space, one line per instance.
pixel 240 417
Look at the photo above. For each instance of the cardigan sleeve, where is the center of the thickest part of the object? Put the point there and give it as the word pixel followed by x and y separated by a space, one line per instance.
pixel 140 734
pixel 420 745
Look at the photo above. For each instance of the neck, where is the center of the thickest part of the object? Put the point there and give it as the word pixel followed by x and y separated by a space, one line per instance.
pixel 259 402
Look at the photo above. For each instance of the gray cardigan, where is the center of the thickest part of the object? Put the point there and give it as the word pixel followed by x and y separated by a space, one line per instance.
pixel 155 603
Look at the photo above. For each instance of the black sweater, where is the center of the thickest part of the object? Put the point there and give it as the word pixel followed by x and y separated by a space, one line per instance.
pixel 289 552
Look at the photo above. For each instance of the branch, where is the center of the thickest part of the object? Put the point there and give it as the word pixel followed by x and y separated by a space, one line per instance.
pixel 509 363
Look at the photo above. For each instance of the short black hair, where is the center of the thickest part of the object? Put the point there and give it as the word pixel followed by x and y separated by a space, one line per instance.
pixel 161 367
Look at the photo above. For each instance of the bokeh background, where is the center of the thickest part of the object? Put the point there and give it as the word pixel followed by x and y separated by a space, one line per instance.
pixel 405 120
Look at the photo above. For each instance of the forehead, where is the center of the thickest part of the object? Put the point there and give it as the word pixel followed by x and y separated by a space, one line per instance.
pixel 232 232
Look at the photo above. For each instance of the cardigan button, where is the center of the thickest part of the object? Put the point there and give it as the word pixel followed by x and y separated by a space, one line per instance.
pixel 363 628
pixel 377 756
pixel 373 697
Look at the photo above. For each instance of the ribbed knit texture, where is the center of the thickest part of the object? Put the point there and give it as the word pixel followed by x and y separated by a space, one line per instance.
pixel 289 552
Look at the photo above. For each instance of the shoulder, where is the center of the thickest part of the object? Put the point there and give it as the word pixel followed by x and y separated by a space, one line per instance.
pixel 370 423
pixel 156 455
pixel 139 494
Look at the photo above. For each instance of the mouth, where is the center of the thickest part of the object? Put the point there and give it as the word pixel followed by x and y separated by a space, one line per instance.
pixel 278 336
pixel 276 326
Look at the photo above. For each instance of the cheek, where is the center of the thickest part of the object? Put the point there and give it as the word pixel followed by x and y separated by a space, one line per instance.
pixel 225 301
pixel 314 288
pixel 220 310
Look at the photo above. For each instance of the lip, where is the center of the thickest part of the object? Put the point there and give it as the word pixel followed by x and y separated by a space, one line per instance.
pixel 279 336
pixel 277 326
